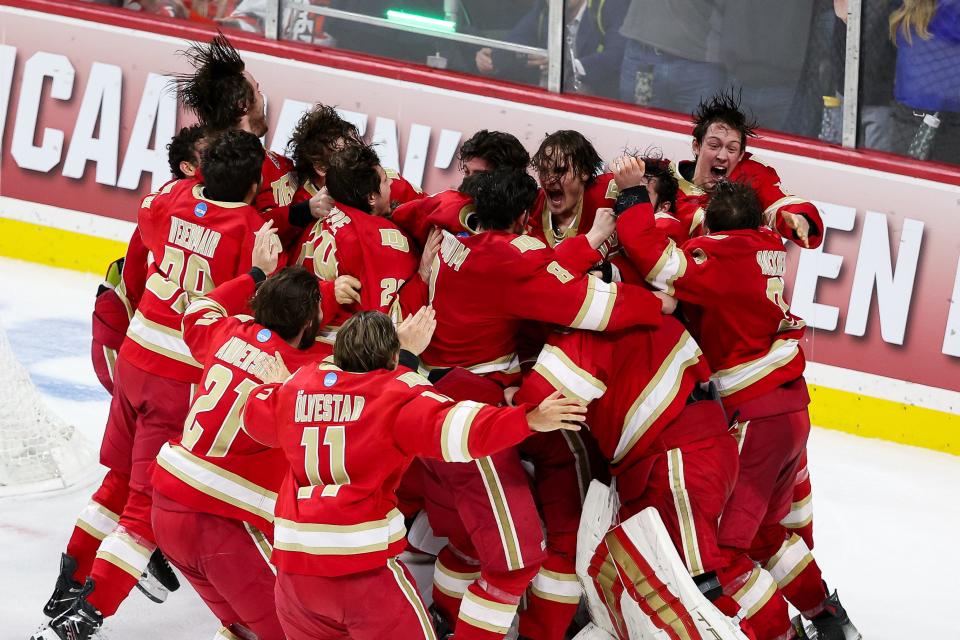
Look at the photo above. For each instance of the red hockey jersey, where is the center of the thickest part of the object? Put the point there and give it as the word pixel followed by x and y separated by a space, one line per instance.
pixel 214 467
pixel 349 437
pixel 195 243
pixel 448 210
pixel 600 193
pixel 692 200
pixel 484 286
pixel 636 381
pixel 368 247
pixel 733 282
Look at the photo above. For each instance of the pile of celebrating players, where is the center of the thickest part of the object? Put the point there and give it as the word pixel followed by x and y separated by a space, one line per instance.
pixel 579 398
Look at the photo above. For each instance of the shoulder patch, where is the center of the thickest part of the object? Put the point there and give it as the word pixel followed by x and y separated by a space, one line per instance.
pixel 527 243
pixel 612 190
pixel 391 173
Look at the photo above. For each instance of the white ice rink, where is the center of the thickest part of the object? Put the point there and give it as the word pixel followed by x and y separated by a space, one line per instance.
pixel 886 516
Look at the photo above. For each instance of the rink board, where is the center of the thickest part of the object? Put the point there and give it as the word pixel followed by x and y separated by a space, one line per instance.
pixel 84 114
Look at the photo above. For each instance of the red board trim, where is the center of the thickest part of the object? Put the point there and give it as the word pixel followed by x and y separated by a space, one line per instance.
pixel 597 107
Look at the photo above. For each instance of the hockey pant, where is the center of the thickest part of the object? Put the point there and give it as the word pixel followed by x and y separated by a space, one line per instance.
pixel 380 604
pixel 146 411
pixel 772 444
pixel 564 462
pixel 227 562
pixel 486 511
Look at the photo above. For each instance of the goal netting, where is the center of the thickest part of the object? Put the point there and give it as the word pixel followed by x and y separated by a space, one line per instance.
pixel 38 450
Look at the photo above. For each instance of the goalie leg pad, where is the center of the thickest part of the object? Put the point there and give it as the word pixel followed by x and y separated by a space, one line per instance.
pixel 637 576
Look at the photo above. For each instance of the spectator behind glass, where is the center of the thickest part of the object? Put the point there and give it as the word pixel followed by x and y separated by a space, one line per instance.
pixel 246 15
pixel 927 34
pixel 591 41
pixel 671 59
pixel 763 45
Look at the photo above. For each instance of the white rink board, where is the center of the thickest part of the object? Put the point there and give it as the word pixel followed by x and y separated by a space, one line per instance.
pixel 886 515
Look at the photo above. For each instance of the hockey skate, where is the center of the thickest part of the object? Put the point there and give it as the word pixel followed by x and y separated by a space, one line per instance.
pixel 440 623
pixel 66 590
pixel 80 622
pixel 832 624
pixel 159 580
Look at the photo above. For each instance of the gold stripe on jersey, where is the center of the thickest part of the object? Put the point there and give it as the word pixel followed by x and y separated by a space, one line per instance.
pixel 110 356
pixel 659 393
pixel 686 187
pixel 508 364
pixel 734 379
pixel 412 379
pixel 566 376
pixel 413 597
pixel 160 339
pixel 640 581
pixel 681 502
pixel 434 272
pixel 770 212
pixel 204 303
pixel 671 265
pixel 787 563
pixel 546 223
pixel 594 313
pixel 217 482
pixel 490 615
pixel 556 586
pixel 455 434
pixel 501 513
pixel 330 539
pixel 198 193
pixel 696 221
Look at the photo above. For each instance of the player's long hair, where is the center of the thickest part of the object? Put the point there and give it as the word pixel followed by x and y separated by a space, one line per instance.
pixel 566 149
pixel 500 150
pixel 315 139
pixel 287 302
pixel 733 205
pixel 366 342
pixel 724 107
pixel 217 91
pixel 912 17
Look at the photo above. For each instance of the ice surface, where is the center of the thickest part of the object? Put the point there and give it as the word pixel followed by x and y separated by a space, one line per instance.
pixel 886 516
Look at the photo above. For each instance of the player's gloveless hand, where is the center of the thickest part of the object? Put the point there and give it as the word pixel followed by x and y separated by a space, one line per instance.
pixel 604 224
pixel 628 171
pixel 321 204
pixel 800 226
pixel 416 330
pixel 346 289
pixel 669 302
pixel 274 370
pixel 557 412
pixel 430 249
pixel 266 248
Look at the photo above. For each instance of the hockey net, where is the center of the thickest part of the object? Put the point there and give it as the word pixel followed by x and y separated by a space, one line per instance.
pixel 38 450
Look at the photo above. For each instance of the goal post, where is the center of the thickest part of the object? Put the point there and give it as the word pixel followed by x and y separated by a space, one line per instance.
pixel 38 450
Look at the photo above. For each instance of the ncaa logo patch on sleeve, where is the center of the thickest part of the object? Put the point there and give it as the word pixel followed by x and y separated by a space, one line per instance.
pixel 330 379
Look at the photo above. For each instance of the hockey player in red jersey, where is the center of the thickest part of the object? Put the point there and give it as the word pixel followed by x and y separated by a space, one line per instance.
pixel 118 296
pixel 358 240
pixel 483 287
pixel 667 441
pixel 225 96
pixel 452 210
pixel 349 428
pixel 199 234
pixel 571 187
pixel 719 148
pixel 731 281
pixel 214 487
